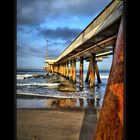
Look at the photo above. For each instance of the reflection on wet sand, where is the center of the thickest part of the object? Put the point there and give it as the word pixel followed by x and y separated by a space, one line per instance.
pixel 69 103
pixel 29 101
pixel 67 86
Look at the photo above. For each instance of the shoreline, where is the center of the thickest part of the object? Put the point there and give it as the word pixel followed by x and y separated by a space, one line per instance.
pixel 52 102
pixel 33 95
pixel 60 109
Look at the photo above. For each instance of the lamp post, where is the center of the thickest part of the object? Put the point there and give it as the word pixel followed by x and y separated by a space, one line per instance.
pixel 47 57
pixel 47 49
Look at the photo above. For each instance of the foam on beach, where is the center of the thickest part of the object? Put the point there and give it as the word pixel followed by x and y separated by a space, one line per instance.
pixel 102 76
pixel 40 84
pixel 56 96
pixel 24 76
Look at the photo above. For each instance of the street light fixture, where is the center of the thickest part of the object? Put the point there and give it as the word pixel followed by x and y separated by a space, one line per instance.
pixel 47 49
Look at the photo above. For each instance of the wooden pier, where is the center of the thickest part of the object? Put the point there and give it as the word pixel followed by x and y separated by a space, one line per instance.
pixel 93 44
pixel 104 36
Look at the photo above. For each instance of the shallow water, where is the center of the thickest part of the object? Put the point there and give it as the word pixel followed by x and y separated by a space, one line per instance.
pixel 57 103
pixel 65 95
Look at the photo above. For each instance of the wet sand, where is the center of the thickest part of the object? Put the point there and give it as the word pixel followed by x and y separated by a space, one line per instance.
pixel 56 124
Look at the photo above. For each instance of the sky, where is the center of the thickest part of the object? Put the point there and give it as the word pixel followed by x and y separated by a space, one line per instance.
pixel 58 21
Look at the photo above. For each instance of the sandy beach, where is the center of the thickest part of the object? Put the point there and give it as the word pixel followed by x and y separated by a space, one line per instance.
pixel 56 124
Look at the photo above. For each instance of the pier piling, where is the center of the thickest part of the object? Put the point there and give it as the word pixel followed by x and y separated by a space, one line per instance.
pixel 70 69
pixel 81 73
pixel 97 73
pixel 88 72
pixel 92 70
pixel 74 71
pixel 110 124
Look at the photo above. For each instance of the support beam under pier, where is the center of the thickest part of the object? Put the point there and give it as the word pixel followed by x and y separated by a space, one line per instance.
pixel 97 73
pixel 74 71
pixel 63 69
pixel 59 69
pixel 88 72
pixel 92 70
pixel 81 73
pixel 52 69
pixel 111 120
pixel 70 69
pixel 67 69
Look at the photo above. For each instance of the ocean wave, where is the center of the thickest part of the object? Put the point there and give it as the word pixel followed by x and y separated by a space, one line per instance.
pixel 40 84
pixel 57 96
pixel 24 76
pixel 104 76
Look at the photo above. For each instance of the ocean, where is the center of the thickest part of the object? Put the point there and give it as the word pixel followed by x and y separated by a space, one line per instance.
pixel 36 90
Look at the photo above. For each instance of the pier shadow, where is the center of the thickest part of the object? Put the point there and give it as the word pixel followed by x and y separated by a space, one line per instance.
pixel 88 125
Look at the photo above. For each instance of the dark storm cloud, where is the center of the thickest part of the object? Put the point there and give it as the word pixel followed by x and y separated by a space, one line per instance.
pixel 59 33
pixel 30 12
pixel 33 12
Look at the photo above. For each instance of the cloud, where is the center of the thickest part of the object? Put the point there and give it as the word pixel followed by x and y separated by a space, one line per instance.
pixel 31 12
pixel 56 48
pixel 34 12
pixel 60 33
pixel 25 51
pixel 59 21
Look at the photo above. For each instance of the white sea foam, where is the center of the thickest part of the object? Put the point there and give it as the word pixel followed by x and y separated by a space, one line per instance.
pixel 40 84
pixel 20 77
pixel 55 96
pixel 102 76
pixel 24 76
